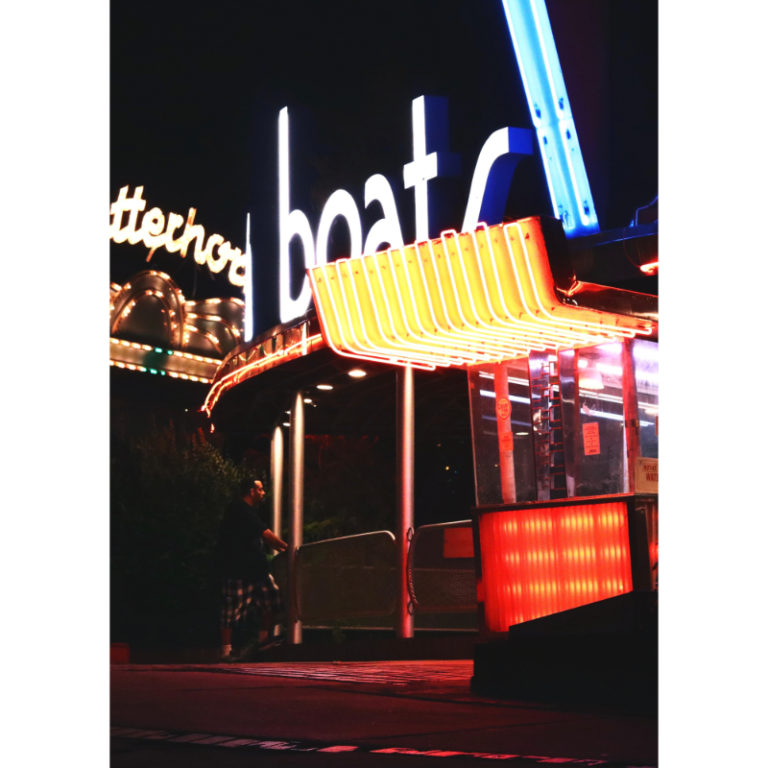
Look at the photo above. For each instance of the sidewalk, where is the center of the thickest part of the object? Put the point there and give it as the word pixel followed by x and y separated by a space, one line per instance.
pixel 418 707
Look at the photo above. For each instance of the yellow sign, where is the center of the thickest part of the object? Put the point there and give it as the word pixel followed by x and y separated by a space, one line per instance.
pixel 156 230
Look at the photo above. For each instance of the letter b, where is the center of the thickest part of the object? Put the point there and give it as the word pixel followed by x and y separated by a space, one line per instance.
pixel 291 224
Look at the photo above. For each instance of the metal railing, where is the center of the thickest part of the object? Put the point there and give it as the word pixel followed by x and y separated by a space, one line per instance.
pixel 348 580
pixel 441 571
pixel 351 581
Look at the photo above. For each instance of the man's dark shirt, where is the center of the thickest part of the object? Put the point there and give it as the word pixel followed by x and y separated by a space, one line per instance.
pixel 240 549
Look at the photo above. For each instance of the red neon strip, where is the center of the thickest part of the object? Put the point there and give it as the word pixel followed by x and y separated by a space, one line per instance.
pixel 252 369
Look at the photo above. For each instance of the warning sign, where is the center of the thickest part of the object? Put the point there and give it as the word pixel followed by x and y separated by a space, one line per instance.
pixel 647 475
pixel 591 433
pixel 506 441
pixel 503 408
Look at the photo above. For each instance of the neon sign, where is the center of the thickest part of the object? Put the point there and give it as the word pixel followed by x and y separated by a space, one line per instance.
pixel 542 77
pixel 481 296
pixel 551 115
pixel 493 172
pixel 157 231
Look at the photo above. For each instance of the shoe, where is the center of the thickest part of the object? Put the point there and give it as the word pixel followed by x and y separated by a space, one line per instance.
pixel 269 643
pixel 228 658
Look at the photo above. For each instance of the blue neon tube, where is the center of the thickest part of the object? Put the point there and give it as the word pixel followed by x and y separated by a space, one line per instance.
pixel 542 76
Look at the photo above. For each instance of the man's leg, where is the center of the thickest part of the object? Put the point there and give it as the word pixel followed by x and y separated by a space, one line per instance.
pixel 265 633
pixel 226 642
pixel 229 609
pixel 272 604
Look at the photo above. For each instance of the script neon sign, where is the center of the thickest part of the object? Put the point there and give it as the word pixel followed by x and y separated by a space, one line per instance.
pixel 156 230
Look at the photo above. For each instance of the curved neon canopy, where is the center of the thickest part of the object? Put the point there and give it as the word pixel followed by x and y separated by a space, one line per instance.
pixel 458 300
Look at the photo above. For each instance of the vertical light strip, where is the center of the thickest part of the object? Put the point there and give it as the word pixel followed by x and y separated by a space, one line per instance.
pixel 248 284
pixel 542 77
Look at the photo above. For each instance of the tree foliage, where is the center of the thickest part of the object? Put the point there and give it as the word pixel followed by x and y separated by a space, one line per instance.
pixel 350 486
pixel 168 492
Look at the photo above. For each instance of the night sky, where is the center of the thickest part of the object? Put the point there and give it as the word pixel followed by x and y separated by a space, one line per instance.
pixel 196 90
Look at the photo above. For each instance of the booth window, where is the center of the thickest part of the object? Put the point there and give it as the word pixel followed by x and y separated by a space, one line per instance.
pixel 645 355
pixel 593 413
pixel 502 433
pixel 554 425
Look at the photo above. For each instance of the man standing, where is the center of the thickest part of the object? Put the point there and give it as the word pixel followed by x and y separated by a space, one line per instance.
pixel 247 584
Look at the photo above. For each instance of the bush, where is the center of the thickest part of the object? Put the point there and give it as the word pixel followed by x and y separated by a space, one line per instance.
pixel 168 492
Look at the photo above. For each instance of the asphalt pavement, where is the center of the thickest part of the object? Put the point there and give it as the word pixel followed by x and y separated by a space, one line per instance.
pixel 354 713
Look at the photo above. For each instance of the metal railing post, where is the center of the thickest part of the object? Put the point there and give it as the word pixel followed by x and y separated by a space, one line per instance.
pixel 404 528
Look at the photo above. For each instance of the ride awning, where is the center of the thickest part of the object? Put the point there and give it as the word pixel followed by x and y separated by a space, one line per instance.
pixel 458 300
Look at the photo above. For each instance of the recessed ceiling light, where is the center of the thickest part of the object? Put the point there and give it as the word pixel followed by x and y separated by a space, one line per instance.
pixel 308 400
pixel 325 387
pixel 357 373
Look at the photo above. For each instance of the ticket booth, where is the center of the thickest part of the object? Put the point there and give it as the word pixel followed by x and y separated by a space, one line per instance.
pixel 566 461
pixel 563 391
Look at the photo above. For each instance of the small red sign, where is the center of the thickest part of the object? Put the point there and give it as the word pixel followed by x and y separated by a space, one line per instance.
pixel 591 433
pixel 457 542
pixel 503 408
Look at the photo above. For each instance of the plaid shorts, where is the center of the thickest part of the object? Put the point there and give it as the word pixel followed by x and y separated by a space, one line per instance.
pixel 240 598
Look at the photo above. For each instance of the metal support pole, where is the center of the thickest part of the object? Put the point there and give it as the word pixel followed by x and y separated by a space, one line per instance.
pixel 631 420
pixel 404 528
pixel 277 454
pixel 297 515
pixel 505 434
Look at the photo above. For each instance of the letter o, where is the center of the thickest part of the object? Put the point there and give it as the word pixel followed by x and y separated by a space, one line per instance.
pixel 340 203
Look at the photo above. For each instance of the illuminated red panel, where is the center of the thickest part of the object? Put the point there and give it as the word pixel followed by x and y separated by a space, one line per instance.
pixel 536 562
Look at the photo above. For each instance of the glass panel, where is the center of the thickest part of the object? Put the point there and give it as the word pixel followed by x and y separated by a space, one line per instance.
pixel 646 358
pixel 593 418
pixel 546 417
pixel 502 444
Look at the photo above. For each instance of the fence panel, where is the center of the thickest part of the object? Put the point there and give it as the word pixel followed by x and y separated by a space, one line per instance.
pixel 348 581
pixel 441 576
pixel 351 581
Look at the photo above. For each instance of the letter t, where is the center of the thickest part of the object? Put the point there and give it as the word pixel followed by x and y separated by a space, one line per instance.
pixel 429 116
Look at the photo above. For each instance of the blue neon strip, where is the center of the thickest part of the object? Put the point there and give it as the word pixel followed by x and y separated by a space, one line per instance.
pixel 539 66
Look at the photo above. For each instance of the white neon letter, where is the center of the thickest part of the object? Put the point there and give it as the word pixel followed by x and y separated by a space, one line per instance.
pixel 416 174
pixel 175 220
pixel 423 168
pixel 291 224
pixel 152 230
pixel 131 206
pixel 340 203
pixel 248 283
pixel 496 163
pixel 387 230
